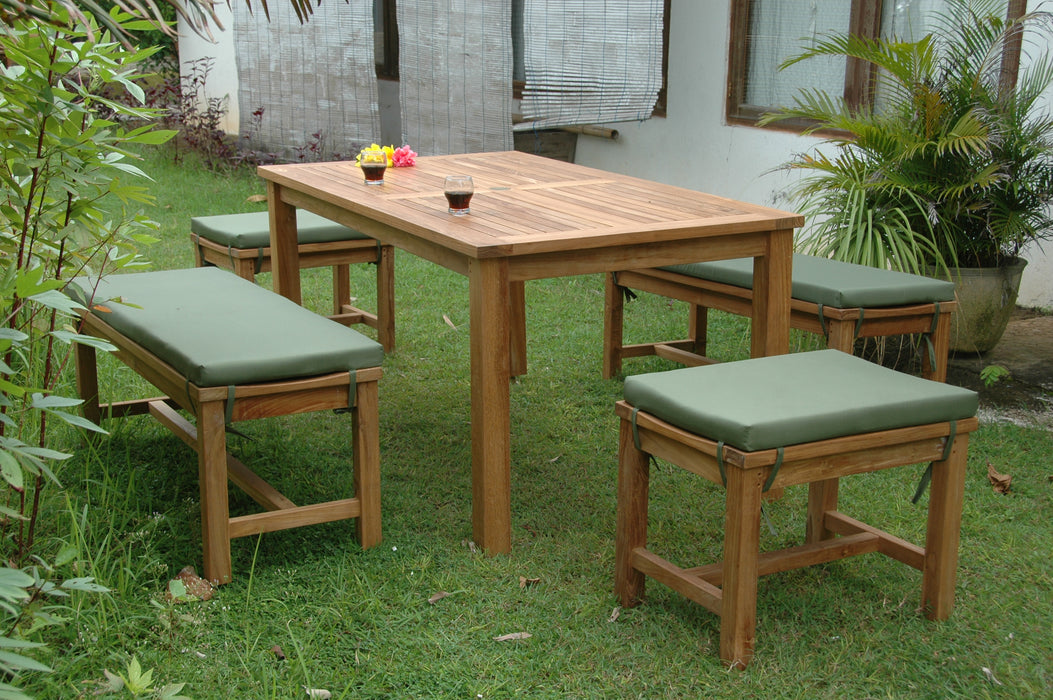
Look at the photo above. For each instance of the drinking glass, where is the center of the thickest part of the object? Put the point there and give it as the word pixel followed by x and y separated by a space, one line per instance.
pixel 458 190
pixel 373 162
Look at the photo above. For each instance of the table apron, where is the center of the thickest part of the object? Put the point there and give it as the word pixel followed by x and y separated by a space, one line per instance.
pixel 415 245
pixel 640 255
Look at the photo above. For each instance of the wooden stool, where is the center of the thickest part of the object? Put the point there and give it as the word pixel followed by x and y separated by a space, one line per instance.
pixel 838 300
pixel 777 421
pixel 225 350
pixel 241 243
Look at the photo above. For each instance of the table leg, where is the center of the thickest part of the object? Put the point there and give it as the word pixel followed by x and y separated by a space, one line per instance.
pixel 285 253
pixel 491 347
pixel 770 334
pixel 517 319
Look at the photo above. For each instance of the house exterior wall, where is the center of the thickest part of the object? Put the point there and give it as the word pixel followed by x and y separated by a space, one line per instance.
pixel 691 147
pixel 694 147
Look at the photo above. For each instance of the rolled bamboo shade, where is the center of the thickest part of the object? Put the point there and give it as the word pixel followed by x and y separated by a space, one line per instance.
pixel 590 61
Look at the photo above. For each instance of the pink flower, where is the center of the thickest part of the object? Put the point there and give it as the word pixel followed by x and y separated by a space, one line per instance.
pixel 404 157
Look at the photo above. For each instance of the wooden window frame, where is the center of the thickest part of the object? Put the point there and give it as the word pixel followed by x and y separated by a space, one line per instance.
pixel 864 20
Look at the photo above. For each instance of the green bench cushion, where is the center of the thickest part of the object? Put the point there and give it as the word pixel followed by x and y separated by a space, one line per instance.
pixel 218 329
pixel 253 230
pixel 831 282
pixel 803 397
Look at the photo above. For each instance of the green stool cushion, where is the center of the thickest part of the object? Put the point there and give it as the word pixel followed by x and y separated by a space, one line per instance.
pixel 784 400
pixel 218 329
pixel 832 282
pixel 253 230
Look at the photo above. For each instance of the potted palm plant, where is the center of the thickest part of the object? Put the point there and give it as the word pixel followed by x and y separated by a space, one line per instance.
pixel 949 170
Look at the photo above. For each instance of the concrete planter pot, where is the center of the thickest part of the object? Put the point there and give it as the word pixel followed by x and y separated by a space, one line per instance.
pixel 986 299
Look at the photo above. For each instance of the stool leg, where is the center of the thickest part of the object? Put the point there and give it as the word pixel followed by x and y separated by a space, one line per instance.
pixel 386 298
pixel 738 616
pixel 841 335
pixel 212 476
pixel 245 269
pixel 947 491
pixel 822 497
pixel 631 529
pixel 366 456
pixel 941 344
pixel 613 318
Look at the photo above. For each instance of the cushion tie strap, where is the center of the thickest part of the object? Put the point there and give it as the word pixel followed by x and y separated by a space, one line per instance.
pixel 927 476
pixel 859 322
pixel 352 391
pixel 380 253
pixel 720 464
pixel 627 293
pixel 927 337
pixel 229 414
pixel 259 260
pixel 636 431
pixel 822 321
pixel 774 469
pixel 230 256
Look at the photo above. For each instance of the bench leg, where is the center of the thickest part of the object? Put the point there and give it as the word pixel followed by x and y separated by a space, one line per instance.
pixel 366 459
pixel 613 318
pixel 631 528
pixel 738 614
pixel 698 328
pixel 88 381
pixel 386 298
pixel 822 497
pixel 212 476
pixel 341 288
pixel 947 492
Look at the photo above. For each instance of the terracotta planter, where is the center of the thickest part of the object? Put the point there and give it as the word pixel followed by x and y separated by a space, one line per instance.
pixel 986 299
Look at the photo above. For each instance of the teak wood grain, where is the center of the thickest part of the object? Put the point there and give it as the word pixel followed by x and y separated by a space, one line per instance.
pixel 531 218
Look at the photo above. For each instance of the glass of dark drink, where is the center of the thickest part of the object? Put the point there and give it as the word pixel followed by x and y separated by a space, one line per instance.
pixel 373 162
pixel 459 189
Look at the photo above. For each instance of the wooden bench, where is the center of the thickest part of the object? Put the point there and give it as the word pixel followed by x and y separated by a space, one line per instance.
pixel 771 422
pixel 225 350
pixel 838 300
pixel 241 243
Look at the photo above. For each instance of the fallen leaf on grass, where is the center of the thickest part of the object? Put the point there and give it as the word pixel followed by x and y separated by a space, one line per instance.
pixel 615 614
pixel 989 674
pixel 524 581
pixel 277 651
pixel 256 198
pixel 999 482
pixel 448 321
pixel 513 636
pixel 471 546
pixel 437 597
pixel 318 693
pixel 188 587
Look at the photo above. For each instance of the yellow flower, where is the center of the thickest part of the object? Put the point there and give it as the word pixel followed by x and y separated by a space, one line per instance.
pixel 389 151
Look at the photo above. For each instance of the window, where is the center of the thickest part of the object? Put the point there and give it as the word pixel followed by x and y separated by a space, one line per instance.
pixel 386 40
pixel 764 33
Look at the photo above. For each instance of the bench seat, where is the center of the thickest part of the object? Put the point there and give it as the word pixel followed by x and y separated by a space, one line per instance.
pixel 841 301
pixel 241 243
pixel 225 350
pixel 768 423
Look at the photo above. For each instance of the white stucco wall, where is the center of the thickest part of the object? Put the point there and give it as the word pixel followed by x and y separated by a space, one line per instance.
pixel 223 78
pixel 692 147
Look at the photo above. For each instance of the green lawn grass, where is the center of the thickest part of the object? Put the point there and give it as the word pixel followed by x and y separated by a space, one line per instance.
pixel 360 624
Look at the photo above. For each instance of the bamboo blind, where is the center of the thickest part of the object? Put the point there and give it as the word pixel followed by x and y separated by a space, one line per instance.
pixel 590 61
pixel 455 75
pixel 316 82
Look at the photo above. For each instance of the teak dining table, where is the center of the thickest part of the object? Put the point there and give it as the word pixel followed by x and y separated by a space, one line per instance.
pixel 531 218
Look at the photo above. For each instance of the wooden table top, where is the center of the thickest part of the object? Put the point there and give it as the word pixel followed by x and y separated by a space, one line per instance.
pixel 525 204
